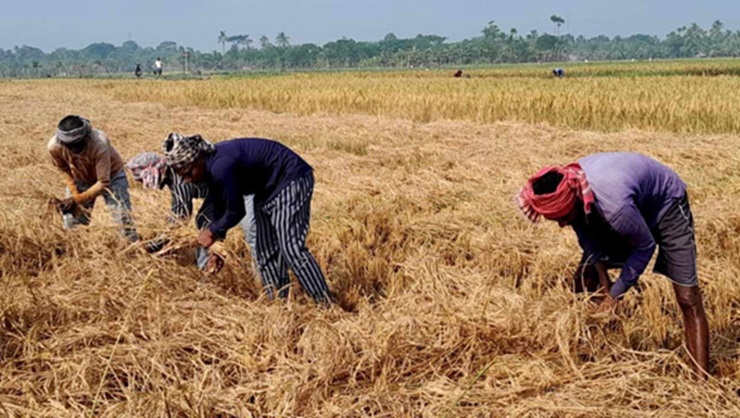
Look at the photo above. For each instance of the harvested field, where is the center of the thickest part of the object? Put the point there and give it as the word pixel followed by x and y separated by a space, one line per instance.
pixel 459 306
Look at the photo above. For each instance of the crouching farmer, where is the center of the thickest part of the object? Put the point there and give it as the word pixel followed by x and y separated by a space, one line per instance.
pixel 151 170
pixel 621 206
pixel 282 185
pixel 90 167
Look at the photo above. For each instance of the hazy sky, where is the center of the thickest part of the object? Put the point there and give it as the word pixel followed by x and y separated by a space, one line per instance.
pixel 49 24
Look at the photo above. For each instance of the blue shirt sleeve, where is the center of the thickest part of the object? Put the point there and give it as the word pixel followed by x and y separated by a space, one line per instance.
pixel 630 224
pixel 232 200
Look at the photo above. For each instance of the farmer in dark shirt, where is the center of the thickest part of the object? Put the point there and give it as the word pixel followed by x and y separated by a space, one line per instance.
pixel 282 185
pixel 150 169
pixel 622 206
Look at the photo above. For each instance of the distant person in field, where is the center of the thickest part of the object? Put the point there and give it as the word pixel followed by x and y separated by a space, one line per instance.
pixel 150 169
pixel 90 167
pixel 158 66
pixel 282 184
pixel 558 72
pixel 622 206
pixel 458 74
pixel 138 72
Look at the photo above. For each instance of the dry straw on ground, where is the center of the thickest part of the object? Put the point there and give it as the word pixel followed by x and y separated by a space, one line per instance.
pixel 461 308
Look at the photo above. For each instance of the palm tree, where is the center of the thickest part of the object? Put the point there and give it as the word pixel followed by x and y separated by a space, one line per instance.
pixel 282 40
pixel 265 42
pixel 558 21
pixel 222 39
pixel 245 41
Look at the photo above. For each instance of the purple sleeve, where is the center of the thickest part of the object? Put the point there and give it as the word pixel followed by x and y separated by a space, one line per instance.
pixel 630 224
pixel 233 202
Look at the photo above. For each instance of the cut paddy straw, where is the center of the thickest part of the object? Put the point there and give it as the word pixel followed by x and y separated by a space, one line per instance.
pixel 462 308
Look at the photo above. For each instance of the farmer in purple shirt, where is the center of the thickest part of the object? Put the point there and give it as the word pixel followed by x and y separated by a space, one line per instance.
pixel 621 206
pixel 282 185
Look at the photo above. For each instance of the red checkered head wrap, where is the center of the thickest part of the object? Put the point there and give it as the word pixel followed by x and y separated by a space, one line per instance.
pixel 573 187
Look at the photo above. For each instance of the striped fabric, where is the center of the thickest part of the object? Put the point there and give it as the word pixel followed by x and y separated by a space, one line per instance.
pixel 183 194
pixel 282 227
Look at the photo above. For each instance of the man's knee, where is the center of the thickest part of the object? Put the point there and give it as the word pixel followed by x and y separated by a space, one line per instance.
pixel 688 297
pixel 266 253
pixel 295 255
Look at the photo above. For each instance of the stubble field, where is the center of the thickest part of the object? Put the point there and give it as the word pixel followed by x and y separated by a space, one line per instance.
pixel 454 305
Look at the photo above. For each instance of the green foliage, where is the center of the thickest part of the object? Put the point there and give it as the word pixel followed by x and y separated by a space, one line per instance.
pixel 494 46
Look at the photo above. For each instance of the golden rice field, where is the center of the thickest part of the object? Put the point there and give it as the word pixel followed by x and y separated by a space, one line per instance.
pixel 454 304
pixel 590 99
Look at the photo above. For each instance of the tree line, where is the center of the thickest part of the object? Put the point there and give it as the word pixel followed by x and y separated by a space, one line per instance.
pixel 494 45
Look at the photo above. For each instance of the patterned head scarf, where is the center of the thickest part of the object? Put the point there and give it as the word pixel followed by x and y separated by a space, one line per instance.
pixel 148 168
pixel 181 151
pixel 75 135
pixel 559 203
